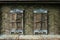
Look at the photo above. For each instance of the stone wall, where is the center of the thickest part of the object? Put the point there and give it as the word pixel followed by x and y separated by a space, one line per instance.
pixel 53 18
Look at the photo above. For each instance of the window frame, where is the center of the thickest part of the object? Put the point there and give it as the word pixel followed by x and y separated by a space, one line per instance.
pixel 18 11
pixel 38 11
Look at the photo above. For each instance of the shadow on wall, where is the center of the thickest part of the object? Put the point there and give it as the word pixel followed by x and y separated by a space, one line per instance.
pixel 58 22
pixel 0 22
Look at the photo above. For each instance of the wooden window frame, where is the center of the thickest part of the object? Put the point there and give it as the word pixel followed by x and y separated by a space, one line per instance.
pixel 42 11
pixel 18 11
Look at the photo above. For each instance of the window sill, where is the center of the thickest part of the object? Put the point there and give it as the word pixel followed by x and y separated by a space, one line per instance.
pixel 29 36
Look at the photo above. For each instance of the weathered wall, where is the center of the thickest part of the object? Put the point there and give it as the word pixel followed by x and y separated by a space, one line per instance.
pixel 5 20
pixel 53 17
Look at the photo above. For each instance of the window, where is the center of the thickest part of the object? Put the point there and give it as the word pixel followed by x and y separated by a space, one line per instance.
pixel 16 21
pixel 40 21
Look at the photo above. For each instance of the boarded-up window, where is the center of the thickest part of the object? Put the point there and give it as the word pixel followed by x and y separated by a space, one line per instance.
pixel 17 21
pixel 40 21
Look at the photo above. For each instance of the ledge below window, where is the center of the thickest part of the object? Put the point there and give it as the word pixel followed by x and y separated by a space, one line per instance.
pixel 29 37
